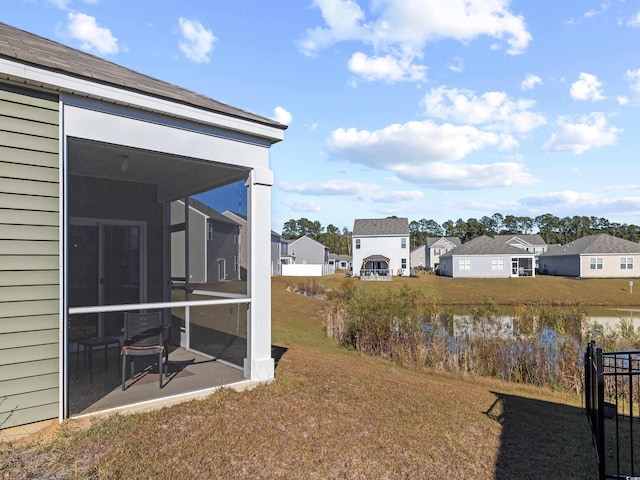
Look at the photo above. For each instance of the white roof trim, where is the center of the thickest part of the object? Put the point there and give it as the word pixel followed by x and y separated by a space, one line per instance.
pixel 43 78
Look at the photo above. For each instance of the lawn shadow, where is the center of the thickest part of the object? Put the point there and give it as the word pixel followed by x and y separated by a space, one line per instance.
pixel 542 440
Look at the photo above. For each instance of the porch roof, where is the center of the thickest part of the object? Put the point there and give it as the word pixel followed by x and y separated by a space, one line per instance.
pixel 24 47
pixel 376 258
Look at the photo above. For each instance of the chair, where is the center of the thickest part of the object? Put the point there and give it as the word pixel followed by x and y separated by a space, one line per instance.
pixel 144 335
pixel 87 338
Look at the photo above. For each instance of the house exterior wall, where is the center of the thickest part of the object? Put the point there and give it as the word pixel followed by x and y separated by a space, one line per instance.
pixel 480 266
pixel 610 266
pixel 308 251
pixel 276 265
pixel 29 257
pixel 389 246
pixel 197 244
pixel 433 258
pixel 223 246
pixel 419 257
pixel 568 266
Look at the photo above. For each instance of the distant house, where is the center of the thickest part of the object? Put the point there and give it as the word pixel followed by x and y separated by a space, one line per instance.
pixel 340 261
pixel 593 256
pixel 531 243
pixel 381 247
pixel 275 247
pixel 428 255
pixel 213 244
pixel 306 257
pixel 486 257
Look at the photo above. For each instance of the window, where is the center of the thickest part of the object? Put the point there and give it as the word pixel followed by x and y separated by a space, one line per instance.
pixel 437 251
pixel 403 263
pixel 357 244
pixel 626 263
pixel 403 243
pixel 210 231
pixel 464 264
pixel 595 263
pixel 497 264
pixel 235 263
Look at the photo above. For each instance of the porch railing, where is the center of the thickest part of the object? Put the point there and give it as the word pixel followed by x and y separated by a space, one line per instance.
pixel 376 272
pixel 612 405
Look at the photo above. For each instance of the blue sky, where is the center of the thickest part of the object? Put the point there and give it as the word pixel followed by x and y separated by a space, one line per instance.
pixel 421 109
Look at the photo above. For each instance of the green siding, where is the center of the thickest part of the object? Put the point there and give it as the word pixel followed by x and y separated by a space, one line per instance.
pixel 29 258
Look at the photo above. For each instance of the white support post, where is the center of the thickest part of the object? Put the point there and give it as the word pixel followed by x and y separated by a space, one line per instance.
pixel 259 365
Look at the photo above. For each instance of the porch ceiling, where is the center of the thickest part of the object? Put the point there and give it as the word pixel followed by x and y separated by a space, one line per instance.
pixel 176 177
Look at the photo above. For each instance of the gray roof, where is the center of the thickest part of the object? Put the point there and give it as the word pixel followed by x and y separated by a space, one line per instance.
pixel 531 239
pixel 484 245
pixel 210 212
pixel 340 256
pixel 24 47
pixel 594 244
pixel 431 240
pixel 381 226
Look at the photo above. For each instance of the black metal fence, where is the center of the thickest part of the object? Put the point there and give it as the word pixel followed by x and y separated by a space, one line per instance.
pixel 612 405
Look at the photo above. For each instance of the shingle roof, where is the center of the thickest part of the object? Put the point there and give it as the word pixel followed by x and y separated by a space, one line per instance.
pixel 381 226
pixel 24 47
pixel 532 239
pixel 210 212
pixel 594 244
pixel 431 240
pixel 485 246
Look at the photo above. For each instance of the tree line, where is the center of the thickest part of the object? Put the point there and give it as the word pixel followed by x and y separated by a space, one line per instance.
pixel 554 230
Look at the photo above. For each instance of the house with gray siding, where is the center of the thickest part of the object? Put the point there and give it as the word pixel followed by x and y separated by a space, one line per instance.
pixel 214 245
pixel 593 256
pixel 380 248
pixel 486 257
pixel 275 247
pixel 92 155
pixel 427 256
pixel 533 243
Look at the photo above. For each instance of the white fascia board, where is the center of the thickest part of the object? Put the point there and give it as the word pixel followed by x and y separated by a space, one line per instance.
pixel 42 78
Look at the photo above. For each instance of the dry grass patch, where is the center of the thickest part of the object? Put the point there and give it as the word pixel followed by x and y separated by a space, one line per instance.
pixel 331 413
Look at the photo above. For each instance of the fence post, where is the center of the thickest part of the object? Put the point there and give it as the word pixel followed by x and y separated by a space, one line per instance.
pixel 600 412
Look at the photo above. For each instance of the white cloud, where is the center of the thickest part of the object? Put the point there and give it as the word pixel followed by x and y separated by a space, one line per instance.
pixel 61 4
pixel 303 206
pixel 530 81
pixel 633 76
pixel 467 176
pixel 410 143
pixel 197 41
pixel 587 87
pixel 282 116
pixel 634 21
pixel 495 110
pixel 386 68
pixel 602 203
pixel 425 152
pixel 397 29
pixel 456 65
pixel 604 6
pixel 93 37
pixel 591 132
pixel 622 100
pixel 366 192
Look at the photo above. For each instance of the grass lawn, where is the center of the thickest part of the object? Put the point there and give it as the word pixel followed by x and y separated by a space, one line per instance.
pixel 332 413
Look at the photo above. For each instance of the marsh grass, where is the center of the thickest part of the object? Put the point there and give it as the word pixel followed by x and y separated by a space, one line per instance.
pixel 331 413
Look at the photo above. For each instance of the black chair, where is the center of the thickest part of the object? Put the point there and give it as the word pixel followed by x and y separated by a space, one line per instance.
pixel 144 335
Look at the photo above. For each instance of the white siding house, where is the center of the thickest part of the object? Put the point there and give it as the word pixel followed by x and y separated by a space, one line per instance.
pixel 380 247
pixel 593 256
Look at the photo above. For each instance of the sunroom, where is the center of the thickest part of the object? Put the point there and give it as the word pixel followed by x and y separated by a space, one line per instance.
pixel 92 155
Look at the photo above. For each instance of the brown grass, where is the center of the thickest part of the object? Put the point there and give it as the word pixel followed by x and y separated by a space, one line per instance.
pixel 331 413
